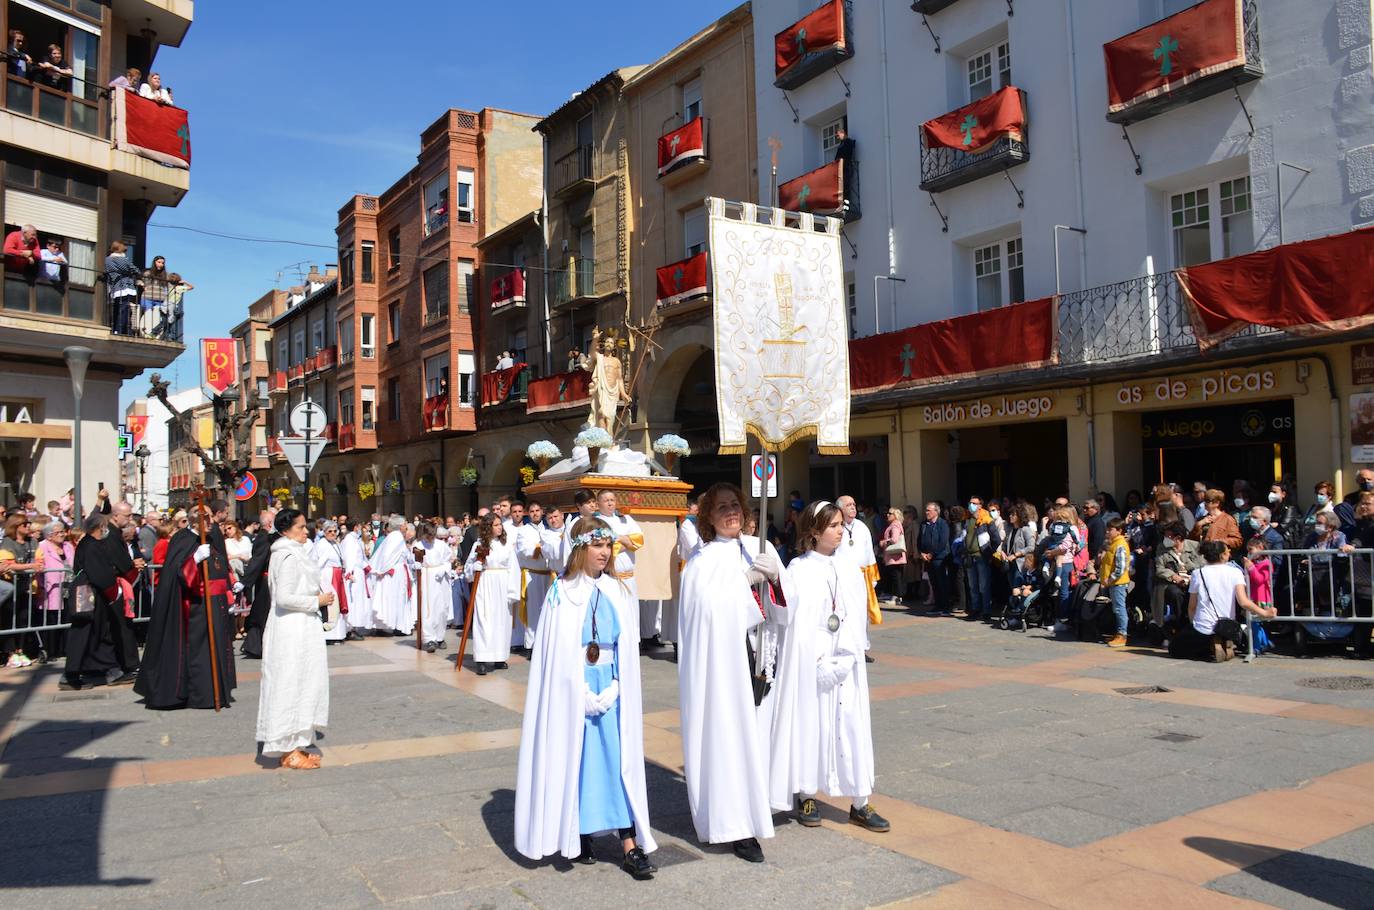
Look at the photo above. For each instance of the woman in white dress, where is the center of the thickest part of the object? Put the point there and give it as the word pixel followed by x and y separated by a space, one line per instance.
pixel 354 552
pixel 329 555
pixel 822 737
pixel 494 574
pixel 293 701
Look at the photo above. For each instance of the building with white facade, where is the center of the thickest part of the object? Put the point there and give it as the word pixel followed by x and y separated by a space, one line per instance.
pixel 149 489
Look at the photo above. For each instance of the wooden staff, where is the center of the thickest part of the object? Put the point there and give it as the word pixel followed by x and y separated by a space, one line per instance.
pixel 482 555
pixel 205 589
pixel 420 607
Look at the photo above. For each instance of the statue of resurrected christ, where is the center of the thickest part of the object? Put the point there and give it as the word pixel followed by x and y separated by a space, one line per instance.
pixel 608 389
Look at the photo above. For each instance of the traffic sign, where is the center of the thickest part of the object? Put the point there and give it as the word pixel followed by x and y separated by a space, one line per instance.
pixel 756 475
pixel 247 488
pixel 308 418
pixel 126 442
pixel 302 453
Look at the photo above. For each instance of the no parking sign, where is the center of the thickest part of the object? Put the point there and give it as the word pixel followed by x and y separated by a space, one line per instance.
pixel 247 488
pixel 756 470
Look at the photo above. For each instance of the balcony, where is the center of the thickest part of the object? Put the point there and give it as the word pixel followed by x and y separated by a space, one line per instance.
pixel 345 356
pixel 346 438
pixel 1208 48
pixel 683 152
pixel 684 282
pixel 985 137
pixel 296 373
pixel 331 431
pixel 436 412
pixel 817 42
pixel 278 382
pixel 435 316
pixel 572 173
pixel 931 7
pixel 508 292
pixel 576 285
pixel 831 189
pixel 558 392
pixel 311 365
pixel 57 107
pixel 505 386
pixel 274 449
pixel 326 358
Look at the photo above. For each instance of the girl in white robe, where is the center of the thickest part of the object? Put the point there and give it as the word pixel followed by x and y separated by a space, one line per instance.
pixel 724 734
pixel 329 555
pixel 822 736
pixel 436 586
pixel 581 765
pixel 293 699
pixel 494 593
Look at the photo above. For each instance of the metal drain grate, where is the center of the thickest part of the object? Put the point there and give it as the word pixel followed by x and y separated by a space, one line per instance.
pixel 1340 683
pixel 1176 737
pixel 1140 690
pixel 673 855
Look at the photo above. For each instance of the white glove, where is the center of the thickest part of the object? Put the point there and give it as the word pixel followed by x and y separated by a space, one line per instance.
pixel 609 696
pixel 831 672
pixel 238 587
pixel 768 566
pixel 202 553
pixel 591 702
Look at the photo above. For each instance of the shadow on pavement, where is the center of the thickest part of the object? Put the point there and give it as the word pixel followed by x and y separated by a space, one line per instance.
pixel 1333 882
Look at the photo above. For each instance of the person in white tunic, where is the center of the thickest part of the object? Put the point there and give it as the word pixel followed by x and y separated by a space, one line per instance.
pixel 628 540
pixel 494 574
pixel 585 501
pixel 724 735
pixel 393 589
pixel 688 541
pixel 436 583
pixel 553 543
pixel 329 556
pixel 857 551
pixel 535 575
pixel 581 765
pixel 293 698
pixel 354 555
pixel 822 737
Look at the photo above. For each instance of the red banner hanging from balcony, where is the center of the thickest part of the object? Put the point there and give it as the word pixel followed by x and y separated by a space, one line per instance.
pixel 219 365
pixel 508 289
pixel 138 425
pixel 497 384
pixel 820 192
pixel 436 412
pixel 561 390
pixel 684 280
pixel 974 127
pixel 157 131
pixel 957 348
pixel 1314 287
pixel 1187 46
pixel 815 33
pixel 682 146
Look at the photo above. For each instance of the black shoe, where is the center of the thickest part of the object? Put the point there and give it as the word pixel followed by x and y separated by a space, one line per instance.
pixel 429 647
pixel 586 857
pixel 126 679
pixel 808 813
pixel 443 646
pixel 502 665
pixel 638 865
pixel 748 850
pixel 353 635
pixel 68 684
pixel 868 659
pixel 867 818
pixel 481 668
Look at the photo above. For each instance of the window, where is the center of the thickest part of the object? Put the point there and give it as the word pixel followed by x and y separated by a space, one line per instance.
pixel 393 397
pixel 262 389
pixel 298 347
pixel 1197 236
pixel 466 288
pixel 694 230
pixel 830 135
pixel 989 71
pixel 851 299
pixel 467 197
pixel 436 204
pixel 519 341
pixel 369 252
pixel 998 274
pixel 436 292
pixel 283 353
pixel 369 405
pixel 346 267
pixel 1237 228
pixel 691 100
pixel 367 342
pixel 584 132
pixel 346 406
pixel 345 335
pixel 317 336
pixel 1189 216
pixel 393 323
pixel 393 246
pixel 467 379
pixel 436 375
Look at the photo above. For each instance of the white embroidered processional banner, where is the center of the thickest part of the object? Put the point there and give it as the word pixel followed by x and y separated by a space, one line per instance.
pixel 782 338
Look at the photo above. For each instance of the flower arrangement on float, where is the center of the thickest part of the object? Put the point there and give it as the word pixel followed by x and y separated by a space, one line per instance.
pixel 543 453
pixel 671 447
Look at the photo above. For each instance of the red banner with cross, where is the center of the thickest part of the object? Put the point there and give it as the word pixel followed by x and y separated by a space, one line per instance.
pixel 820 192
pixel 816 32
pixel 497 384
pixel 436 412
pixel 157 131
pixel 682 146
pixel 684 280
pixel 957 348
pixel 508 289
pixel 561 390
pixel 1190 45
pixel 219 365
pixel 974 127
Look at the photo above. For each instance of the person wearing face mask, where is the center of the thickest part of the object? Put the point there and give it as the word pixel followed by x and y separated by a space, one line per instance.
pixel 1175 560
pixel 1345 509
pixel 1284 516
pixel 1259 524
pixel 1326 579
pixel 1240 500
pixel 1321 504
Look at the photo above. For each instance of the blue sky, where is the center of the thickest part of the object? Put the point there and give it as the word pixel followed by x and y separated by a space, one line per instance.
pixel 296 106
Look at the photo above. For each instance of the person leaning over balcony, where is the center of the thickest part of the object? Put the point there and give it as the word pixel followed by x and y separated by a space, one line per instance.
pixel 131 79
pixel 54 263
pixel 153 90
pixel 156 285
pixel 17 60
pixel 21 251
pixel 122 283
pixel 52 71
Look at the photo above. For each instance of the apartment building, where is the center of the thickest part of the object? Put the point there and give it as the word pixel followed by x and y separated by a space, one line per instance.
pixel 408 353
pixel 69 169
pixel 185 470
pixel 1023 195
pixel 253 338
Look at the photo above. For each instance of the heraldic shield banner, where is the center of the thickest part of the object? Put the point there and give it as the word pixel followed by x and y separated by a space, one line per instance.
pixel 782 339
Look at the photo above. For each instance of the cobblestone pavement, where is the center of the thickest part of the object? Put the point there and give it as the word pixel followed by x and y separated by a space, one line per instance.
pixel 1017 770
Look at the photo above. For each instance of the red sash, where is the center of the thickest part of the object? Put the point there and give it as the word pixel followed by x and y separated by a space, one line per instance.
pixel 340 589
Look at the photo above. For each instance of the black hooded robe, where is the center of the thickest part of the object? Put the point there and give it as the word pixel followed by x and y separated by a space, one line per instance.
pixel 255 580
pixel 103 639
pixel 176 661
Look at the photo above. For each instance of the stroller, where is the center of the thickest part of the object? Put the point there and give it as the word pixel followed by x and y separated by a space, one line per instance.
pixel 1035 608
pixel 1091 612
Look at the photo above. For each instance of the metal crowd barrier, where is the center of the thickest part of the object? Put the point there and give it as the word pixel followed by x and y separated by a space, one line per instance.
pixel 26 612
pixel 1319 586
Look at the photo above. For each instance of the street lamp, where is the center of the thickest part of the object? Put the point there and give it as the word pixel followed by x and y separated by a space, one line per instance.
pixel 142 453
pixel 78 358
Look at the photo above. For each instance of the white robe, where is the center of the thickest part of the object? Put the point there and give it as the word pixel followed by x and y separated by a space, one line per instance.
pixel 535 577
pixel 856 550
pixel 293 696
pixel 822 738
pixel 625 526
pixel 330 555
pixel 724 736
pixel 355 577
pixel 436 584
pixel 688 541
pixel 496 591
pixel 547 773
pixel 393 589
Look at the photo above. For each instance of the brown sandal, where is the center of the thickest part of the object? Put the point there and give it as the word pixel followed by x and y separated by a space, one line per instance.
pixel 300 761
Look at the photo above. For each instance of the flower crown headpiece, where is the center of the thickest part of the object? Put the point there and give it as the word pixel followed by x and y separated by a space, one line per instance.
pixel 582 540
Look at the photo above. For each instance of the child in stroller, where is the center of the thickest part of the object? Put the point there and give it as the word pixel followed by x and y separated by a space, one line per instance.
pixel 1028 590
